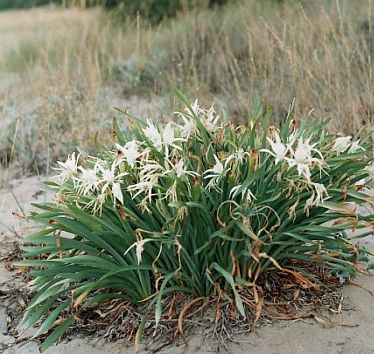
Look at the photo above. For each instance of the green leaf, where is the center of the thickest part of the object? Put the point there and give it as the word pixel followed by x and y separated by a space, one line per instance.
pixel 228 277
pixel 58 332
pixel 50 320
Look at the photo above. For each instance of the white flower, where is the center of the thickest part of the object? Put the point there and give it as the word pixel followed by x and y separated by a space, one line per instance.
pixel 208 117
pixel 148 177
pixel 117 192
pixel 153 135
pixel 168 135
pixel 320 190
pixel 217 169
pixel 302 158
pixel 241 154
pixel 130 152
pixel 87 180
pixel 188 128
pixel 246 193
pixel 145 186
pixel 179 168
pixel 110 179
pixel 195 108
pixel 355 147
pixel 342 144
pixel 292 137
pixel 180 171
pixel 214 173
pixel 303 170
pixel 139 249
pixel 302 154
pixel 68 169
pixel 169 139
pixel 108 175
pixel 238 155
pixel 280 150
pixel 211 119
pixel 304 150
pixel 150 168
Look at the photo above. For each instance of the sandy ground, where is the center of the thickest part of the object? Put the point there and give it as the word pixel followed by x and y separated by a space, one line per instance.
pixel 304 336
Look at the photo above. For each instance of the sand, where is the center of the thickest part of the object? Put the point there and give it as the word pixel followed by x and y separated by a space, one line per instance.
pixel 303 336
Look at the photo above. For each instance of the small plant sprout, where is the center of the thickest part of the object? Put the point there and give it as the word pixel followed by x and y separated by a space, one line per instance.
pixel 226 207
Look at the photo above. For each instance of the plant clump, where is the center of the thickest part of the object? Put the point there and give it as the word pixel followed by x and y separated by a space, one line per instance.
pixel 201 207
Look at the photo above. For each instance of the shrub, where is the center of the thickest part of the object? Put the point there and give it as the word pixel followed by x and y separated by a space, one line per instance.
pixel 199 207
pixel 16 4
pixel 155 11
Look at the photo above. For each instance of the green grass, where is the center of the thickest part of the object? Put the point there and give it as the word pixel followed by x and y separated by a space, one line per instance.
pixel 199 206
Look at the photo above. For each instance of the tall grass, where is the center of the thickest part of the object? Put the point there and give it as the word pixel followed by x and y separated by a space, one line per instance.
pixel 64 59
pixel 60 59
pixel 319 52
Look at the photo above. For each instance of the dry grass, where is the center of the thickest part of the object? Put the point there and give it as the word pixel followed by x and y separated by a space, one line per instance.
pixel 54 90
pixel 61 69
pixel 320 53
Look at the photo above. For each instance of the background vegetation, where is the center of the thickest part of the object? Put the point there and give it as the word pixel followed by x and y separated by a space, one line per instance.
pixel 62 69
pixel 16 4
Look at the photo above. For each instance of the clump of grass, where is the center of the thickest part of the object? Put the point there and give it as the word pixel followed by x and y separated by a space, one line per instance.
pixel 198 206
